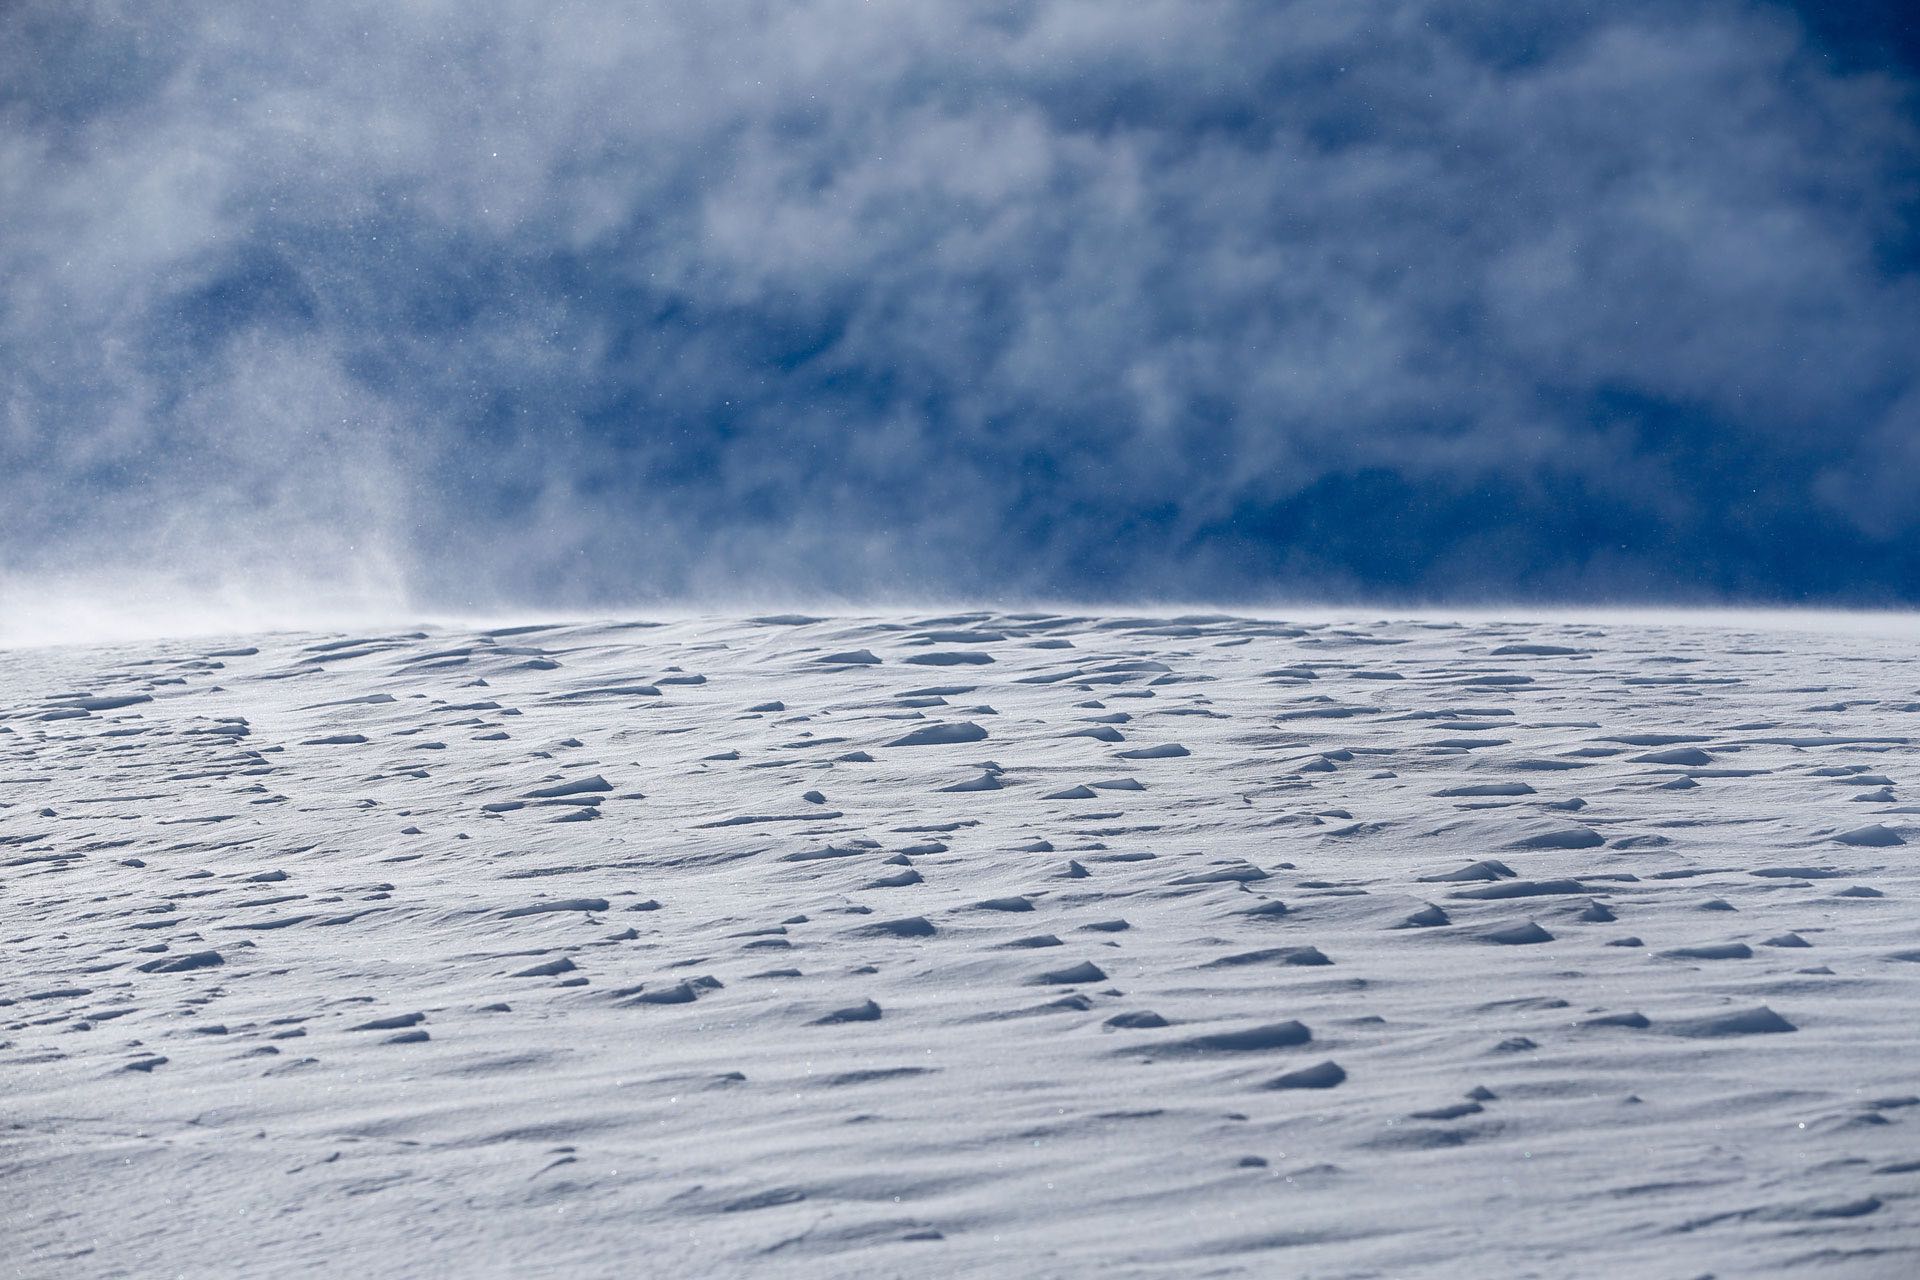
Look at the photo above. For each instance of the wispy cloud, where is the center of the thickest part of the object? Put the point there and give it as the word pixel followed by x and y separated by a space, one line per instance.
pixel 581 302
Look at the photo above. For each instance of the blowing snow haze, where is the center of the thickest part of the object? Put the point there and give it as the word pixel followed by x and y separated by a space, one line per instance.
pixel 567 303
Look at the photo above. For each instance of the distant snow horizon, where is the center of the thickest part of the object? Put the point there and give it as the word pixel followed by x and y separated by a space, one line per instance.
pixel 51 612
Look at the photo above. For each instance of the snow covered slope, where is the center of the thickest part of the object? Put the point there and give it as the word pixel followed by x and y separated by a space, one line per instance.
pixel 976 945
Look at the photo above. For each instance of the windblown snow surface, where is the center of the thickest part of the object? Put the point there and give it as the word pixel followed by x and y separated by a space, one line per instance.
pixel 974 945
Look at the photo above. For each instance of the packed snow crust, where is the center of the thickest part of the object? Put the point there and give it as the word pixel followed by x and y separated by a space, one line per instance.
pixel 983 944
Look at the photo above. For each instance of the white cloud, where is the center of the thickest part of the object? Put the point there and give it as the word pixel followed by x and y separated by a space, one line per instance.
pixel 594 299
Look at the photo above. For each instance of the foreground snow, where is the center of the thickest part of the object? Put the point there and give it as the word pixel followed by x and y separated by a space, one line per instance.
pixel 973 945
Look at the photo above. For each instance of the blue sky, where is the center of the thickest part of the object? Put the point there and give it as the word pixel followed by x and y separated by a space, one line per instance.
pixel 561 304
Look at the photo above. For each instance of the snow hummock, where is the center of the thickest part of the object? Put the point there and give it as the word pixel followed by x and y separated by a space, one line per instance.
pixel 1172 944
